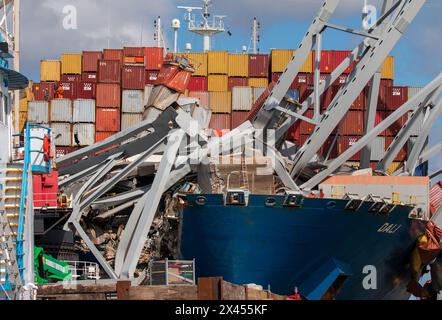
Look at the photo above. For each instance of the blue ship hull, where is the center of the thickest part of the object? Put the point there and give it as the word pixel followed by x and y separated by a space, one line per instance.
pixel 308 247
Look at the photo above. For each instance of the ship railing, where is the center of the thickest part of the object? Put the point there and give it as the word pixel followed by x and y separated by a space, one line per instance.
pixel 84 270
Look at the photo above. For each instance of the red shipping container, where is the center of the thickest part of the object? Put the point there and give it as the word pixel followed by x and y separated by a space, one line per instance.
pixel 303 79
pixel 133 51
pixel 340 81
pixel 361 101
pixel 70 77
pixel 167 73
pixel 197 84
pixel 303 138
pixel 45 190
pixel 304 92
pixel 238 118
pixel 328 96
pixel 236 82
pixel 395 97
pixel 220 121
pixel 108 96
pixel 345 143
pixel 90 60
pixel 306 127
pixel 86 90
pixel 386 83
pixel 338 57
pixel 402 155
pixel 69 89
pixel 394 129
pixel 326 61
pixel 277 75
pixel 330 146
pixel 381 98
pixel 113 54
pixel 62 151
pixel 352 124
pixel 180 82
pixel 89 76
pixel 44 91
pixel 380 116
pixel 107 119
pixel 109 71
pixel 100 136
pixel 133 78
pixel 294 132
pixel 153 58
pixel 150 77
pixel 258 65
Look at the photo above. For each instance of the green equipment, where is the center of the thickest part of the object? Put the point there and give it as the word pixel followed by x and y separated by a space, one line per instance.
pixel 48 269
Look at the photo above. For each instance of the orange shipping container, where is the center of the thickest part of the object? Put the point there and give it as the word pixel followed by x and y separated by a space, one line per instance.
pixel 100 136
pixel 107 119
pixel 258 82
pixel 387 71
pixel 218 62
pixel 108 95
pixel 281 57
pixel 238 65
pixel 198 61
pixel 218 83
pixel 113 54
pixel 50 70
pixel 71 63
pixel 220 102
pixel 153 58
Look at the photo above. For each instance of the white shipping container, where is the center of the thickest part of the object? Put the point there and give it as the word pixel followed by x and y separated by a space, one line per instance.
pixel 412 91
pixel 257 92
pixel 147 92
pixel 85 133
pixel 133 101
pixel 128 120
pixel 377 149
pixel 61 110
pixel 84 111
pixel 38 111
pixel 242 98
pixel 62 133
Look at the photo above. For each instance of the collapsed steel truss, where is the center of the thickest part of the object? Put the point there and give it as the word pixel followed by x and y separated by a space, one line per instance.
pixel 167 133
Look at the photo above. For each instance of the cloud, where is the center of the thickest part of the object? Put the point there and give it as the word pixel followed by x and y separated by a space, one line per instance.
pixel 44 37
pixel 274 12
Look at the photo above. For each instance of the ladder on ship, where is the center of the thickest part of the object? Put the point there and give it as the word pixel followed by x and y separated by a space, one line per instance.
pixel 12 283
pixel 244 174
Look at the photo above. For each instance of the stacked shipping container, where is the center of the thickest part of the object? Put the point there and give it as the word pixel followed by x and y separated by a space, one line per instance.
pixel 83 95
pixel 118 82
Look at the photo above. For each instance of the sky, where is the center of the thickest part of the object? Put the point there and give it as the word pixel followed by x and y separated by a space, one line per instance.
pixel 113 23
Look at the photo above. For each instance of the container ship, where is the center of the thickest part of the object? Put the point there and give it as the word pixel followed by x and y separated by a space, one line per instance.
pixel 293 170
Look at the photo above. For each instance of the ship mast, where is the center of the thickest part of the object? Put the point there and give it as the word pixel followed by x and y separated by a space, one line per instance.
pixel 206 28
pixel 255 36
